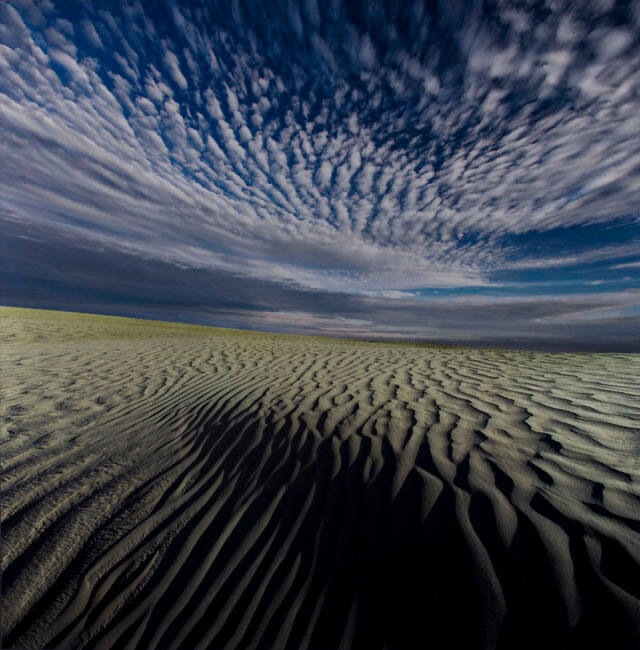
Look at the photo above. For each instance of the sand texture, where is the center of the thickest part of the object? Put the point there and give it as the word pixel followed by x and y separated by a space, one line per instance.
pixel 174 487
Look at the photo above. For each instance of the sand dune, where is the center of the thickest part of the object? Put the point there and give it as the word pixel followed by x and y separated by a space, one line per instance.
pixel 174 487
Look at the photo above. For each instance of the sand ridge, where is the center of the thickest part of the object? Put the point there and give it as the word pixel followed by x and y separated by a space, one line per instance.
pixel 179 488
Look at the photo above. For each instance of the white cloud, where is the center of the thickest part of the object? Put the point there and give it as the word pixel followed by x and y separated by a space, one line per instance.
pixel 91 34
pixel 324 173
pixel 350 190
pixel 627 265
pixel 367 52
pixel 173 66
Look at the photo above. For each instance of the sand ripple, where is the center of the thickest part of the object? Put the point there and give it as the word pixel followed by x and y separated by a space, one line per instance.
pixel 232 491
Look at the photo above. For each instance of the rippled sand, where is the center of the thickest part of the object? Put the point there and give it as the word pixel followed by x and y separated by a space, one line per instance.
pixel 167 486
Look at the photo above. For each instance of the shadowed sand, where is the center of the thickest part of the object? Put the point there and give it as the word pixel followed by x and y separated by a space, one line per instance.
pixel 170 486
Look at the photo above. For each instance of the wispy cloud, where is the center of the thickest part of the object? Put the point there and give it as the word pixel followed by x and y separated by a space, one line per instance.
pixel 627 265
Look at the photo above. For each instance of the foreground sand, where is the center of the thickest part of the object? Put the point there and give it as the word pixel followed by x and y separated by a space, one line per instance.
pixel 166 486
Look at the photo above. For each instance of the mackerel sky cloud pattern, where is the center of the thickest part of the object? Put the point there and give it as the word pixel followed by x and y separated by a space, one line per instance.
pixel 441 171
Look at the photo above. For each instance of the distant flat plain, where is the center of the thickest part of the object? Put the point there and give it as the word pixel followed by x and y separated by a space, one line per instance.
pixel 175 486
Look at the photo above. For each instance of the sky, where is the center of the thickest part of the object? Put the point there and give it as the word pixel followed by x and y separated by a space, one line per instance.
pixel 456 172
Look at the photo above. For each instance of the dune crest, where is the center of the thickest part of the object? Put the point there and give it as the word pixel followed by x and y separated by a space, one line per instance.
pixel 183 488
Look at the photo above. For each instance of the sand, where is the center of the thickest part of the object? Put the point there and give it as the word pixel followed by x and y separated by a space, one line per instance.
pixel 168 486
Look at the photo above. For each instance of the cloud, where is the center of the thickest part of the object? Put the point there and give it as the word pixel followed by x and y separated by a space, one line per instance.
pixel 109 281
pixel 627 265
pixel 173 66
pixel 589 256
pixel 91 34
pixel 373 159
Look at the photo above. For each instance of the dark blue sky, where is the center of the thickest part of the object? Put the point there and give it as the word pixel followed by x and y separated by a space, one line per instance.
pixel 445 171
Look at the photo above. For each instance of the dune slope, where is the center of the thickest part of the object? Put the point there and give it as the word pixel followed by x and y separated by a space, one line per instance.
pixel 174 487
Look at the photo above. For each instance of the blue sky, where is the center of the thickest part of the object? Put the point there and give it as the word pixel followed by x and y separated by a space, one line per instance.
pixel 459 172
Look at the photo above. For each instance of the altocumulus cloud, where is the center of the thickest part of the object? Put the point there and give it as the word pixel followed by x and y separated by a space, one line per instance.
pixel 371 169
